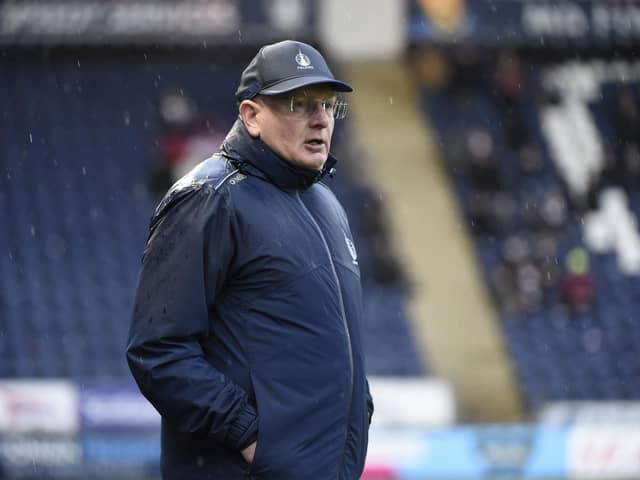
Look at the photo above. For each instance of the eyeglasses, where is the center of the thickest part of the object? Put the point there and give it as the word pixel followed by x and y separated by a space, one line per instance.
pixel 303 106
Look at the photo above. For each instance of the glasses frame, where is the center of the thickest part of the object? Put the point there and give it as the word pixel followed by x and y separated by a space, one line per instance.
pixel 304 106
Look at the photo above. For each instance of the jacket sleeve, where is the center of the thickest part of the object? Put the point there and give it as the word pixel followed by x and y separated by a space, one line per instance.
pixel 370 406
pixel 184 267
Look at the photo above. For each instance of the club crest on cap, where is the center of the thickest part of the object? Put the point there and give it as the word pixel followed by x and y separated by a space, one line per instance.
pixel 303 61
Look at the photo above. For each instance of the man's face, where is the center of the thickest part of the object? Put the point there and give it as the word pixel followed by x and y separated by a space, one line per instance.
pixel 298 126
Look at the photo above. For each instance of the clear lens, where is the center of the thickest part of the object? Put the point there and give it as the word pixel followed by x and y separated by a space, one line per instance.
pixel 299 106
pixel 302 106
pixel 340 109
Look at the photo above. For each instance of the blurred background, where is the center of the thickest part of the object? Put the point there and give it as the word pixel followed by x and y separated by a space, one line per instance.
pixel 490 167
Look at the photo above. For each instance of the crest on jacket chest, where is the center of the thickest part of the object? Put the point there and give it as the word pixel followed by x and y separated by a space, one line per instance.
pixel 352 249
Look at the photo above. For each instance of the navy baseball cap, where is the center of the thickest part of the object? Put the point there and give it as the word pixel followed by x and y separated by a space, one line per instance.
pixel 285 66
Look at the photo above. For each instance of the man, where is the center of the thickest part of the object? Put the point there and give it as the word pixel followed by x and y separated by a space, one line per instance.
pixel 246 327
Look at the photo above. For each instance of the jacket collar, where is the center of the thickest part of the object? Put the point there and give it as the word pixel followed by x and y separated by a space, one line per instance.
pixel 253 156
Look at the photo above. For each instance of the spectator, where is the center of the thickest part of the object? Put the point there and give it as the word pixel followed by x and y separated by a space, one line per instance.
pixel 578 288
pixel 530 160
pixel 177 110
pixel 627 118
pixel 505 288
pixel 480 212
pixel 468 70
pixel 530 291
pixel 490 212
pixel 483 165
pixel 631 158
pixel 431 68
pixel 510 86
pixel 188 137
pixel 509 79
pixel 545 251
pixel 516 250
pixel 548 211
pixel 517 280
pixel 625 163
pixel 517 288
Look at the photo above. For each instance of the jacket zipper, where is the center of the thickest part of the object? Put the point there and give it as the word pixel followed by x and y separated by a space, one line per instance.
pixel 344 320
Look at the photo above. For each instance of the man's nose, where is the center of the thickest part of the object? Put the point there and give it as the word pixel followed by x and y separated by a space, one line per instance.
pixel 319 115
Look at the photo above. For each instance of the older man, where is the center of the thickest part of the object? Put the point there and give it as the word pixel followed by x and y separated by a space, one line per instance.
pixel 246 328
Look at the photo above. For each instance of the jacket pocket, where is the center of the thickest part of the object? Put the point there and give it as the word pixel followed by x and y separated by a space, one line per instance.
pixel 263 436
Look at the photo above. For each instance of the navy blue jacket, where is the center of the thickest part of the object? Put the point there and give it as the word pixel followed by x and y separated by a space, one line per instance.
pixel 246 323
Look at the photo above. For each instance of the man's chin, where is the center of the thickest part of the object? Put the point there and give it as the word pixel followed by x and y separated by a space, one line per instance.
pixel 312 162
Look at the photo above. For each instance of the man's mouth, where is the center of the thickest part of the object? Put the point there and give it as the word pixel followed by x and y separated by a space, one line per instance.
pixel 315 146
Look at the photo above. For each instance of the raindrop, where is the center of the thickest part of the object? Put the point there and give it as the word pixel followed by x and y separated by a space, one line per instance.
pixel 33 231
pixel 390 100
pixel 30 138
pixel 84 171
pixel 78 63
pixel 127 118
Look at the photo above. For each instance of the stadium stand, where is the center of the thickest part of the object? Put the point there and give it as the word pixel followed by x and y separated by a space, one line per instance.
pixel 532 215
pixel 452 319
pixel 79 140
pixel 550 195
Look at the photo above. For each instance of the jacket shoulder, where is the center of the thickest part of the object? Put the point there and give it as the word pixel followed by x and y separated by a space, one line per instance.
pixel 210 174
pixel 329 196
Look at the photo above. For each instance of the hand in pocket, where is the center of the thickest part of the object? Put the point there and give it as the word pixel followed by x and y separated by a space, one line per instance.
pixel 249 452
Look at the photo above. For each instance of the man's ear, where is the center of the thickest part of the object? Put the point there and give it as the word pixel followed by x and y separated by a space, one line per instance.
pixel 249 111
